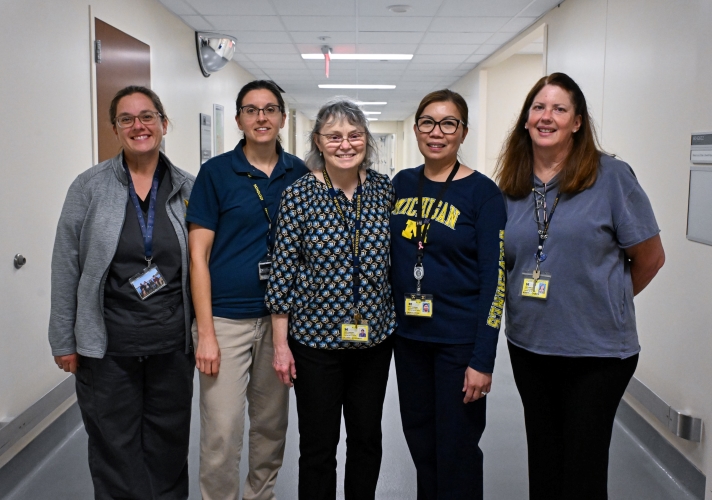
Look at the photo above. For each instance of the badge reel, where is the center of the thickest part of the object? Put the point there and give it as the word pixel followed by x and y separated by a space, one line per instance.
pixel 357 331
pixel 417 304
pixel 264 267
pixel 148 281
pixel 536 284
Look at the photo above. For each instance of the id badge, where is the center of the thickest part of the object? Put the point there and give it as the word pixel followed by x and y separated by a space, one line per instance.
pixel 354 333
pixel 264 267
pixel 419 305
pixel 148 281
pixel 536 289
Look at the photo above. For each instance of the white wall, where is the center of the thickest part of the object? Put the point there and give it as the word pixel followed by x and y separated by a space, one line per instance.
pixel 46 141
pixel 645 68
pixel 302 128
pixel 411 153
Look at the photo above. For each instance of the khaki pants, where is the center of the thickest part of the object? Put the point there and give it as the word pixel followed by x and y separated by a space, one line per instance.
pixel 246 373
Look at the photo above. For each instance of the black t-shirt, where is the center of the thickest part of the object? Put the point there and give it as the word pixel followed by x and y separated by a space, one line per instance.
pixel 155 325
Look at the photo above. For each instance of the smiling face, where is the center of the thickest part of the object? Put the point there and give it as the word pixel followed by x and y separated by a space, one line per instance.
pixel 344 155
pixel 552 120
pixel 260 128
pixel 435 145
pixel 139 139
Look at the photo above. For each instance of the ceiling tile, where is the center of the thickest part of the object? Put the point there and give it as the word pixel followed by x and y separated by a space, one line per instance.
pixel 232 7
pixel 386 48
pixel 266 48
pixel 540 7
pixel 257 58
pixel 389 36
pixel 197 23
pixel 390 24
pixel 468 24
pixel 278 64
pixel 504 8
pixel 238 23
pixel 426 8
pixel 318 23
pixel 316 7
pixel 518 24
pixel 500 38
pixel 265 37
pixel 179 7
pixel 312 37
pixel 487 49
pixel 476 58
pixel 315 48
pixel 446 49
pixel 456 37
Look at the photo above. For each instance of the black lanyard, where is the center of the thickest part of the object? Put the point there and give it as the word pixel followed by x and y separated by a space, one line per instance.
pixel 266 212
pixel 543 230
pixel 355 238
pixel 146 224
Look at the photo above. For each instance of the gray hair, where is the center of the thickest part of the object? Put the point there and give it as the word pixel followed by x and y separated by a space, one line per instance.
pixel 338 109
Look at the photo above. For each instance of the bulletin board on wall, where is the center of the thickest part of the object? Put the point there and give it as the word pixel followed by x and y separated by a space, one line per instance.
pixel 699 205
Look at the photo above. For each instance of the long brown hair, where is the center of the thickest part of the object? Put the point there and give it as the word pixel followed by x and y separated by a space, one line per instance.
pixel 516 162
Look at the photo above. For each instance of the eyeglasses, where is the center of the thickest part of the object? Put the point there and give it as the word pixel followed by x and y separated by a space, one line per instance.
pixel 354 138
pixel 146 117
pixel 447 125
pixel 269 111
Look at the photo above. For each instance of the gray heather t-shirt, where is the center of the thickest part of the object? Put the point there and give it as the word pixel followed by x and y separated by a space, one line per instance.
pixel 589 310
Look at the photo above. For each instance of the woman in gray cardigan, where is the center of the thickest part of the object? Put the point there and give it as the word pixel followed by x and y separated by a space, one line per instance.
pixel 121 310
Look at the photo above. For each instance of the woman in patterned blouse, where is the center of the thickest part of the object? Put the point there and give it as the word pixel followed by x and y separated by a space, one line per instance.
pixel 331 338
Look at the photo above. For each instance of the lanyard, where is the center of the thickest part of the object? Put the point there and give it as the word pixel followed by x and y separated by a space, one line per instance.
pixel 355 238
pixel 146 224
pixel 543 228
pixel 266 212
pixel 423 224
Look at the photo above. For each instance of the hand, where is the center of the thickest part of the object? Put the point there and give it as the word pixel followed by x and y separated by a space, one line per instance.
pixel 477 385
pixel 68 362
pixel 283 364
pixel 207 356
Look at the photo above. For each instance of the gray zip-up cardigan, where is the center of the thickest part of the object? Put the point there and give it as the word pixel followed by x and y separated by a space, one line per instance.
pixel 88 235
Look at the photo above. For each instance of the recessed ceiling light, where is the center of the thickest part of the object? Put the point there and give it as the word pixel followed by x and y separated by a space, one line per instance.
pixel 371 112
pixel 370 103
pixel 362 57
pixel 372 119
pixel 360 87
pixel 399 9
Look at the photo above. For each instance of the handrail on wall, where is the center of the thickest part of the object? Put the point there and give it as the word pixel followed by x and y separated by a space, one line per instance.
pixel 682 425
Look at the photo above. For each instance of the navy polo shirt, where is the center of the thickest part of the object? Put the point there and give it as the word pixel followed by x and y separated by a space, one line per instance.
pixel 224 200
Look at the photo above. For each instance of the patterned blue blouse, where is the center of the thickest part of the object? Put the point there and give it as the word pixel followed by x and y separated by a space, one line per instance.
pixel 311 276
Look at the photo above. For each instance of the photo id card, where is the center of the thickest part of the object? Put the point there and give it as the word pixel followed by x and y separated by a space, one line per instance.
pixel 264 267
pixel 419 305
pixel 354 333
pixel 148 281
pixel 536 289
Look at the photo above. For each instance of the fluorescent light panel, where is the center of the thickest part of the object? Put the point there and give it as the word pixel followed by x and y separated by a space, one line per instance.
pixel 371 103
pixel 371 112
pixel 362 57
pixel 372 119
pixel 357 87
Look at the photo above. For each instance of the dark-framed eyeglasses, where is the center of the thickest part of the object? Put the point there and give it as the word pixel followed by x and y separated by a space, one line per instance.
pixel 336 140
pixel 447 126
pixel 145 117
pixel 270 111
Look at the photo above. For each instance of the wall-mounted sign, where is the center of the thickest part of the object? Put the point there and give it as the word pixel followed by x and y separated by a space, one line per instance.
pixel 219 128
pixel 206 138
pixel 701 147
pixel 699 206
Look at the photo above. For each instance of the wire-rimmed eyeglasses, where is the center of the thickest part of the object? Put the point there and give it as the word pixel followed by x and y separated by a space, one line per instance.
pixel 335 140
pixel 145 117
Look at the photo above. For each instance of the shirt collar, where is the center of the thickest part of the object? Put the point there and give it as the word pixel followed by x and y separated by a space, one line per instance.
pixel 242 166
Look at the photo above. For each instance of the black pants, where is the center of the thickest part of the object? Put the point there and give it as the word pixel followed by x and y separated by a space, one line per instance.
pixel 569 408
pixel 442 432
pixel 327 381
pixel 136 412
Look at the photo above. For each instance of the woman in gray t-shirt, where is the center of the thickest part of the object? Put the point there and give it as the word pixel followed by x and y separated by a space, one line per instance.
pixel 581 240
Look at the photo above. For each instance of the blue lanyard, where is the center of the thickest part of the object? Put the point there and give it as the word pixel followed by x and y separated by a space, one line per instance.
pixel 355 238
pixel 146 225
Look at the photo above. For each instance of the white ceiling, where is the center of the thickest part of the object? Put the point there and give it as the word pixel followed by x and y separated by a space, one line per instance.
pixel 448 38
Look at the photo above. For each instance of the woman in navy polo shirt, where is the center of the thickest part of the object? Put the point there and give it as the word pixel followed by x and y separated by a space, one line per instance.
pixel 231 214
pixel 448 283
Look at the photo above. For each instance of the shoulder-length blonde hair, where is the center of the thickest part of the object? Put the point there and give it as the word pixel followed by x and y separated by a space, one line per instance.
pixel 516 162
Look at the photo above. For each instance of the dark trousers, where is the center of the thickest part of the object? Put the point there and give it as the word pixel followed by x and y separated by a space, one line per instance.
pixel 442 432
pixel 569 408
pixel 136 411
pixel 327 382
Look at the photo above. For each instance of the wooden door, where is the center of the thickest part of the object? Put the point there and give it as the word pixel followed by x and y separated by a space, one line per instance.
pixel 124 61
